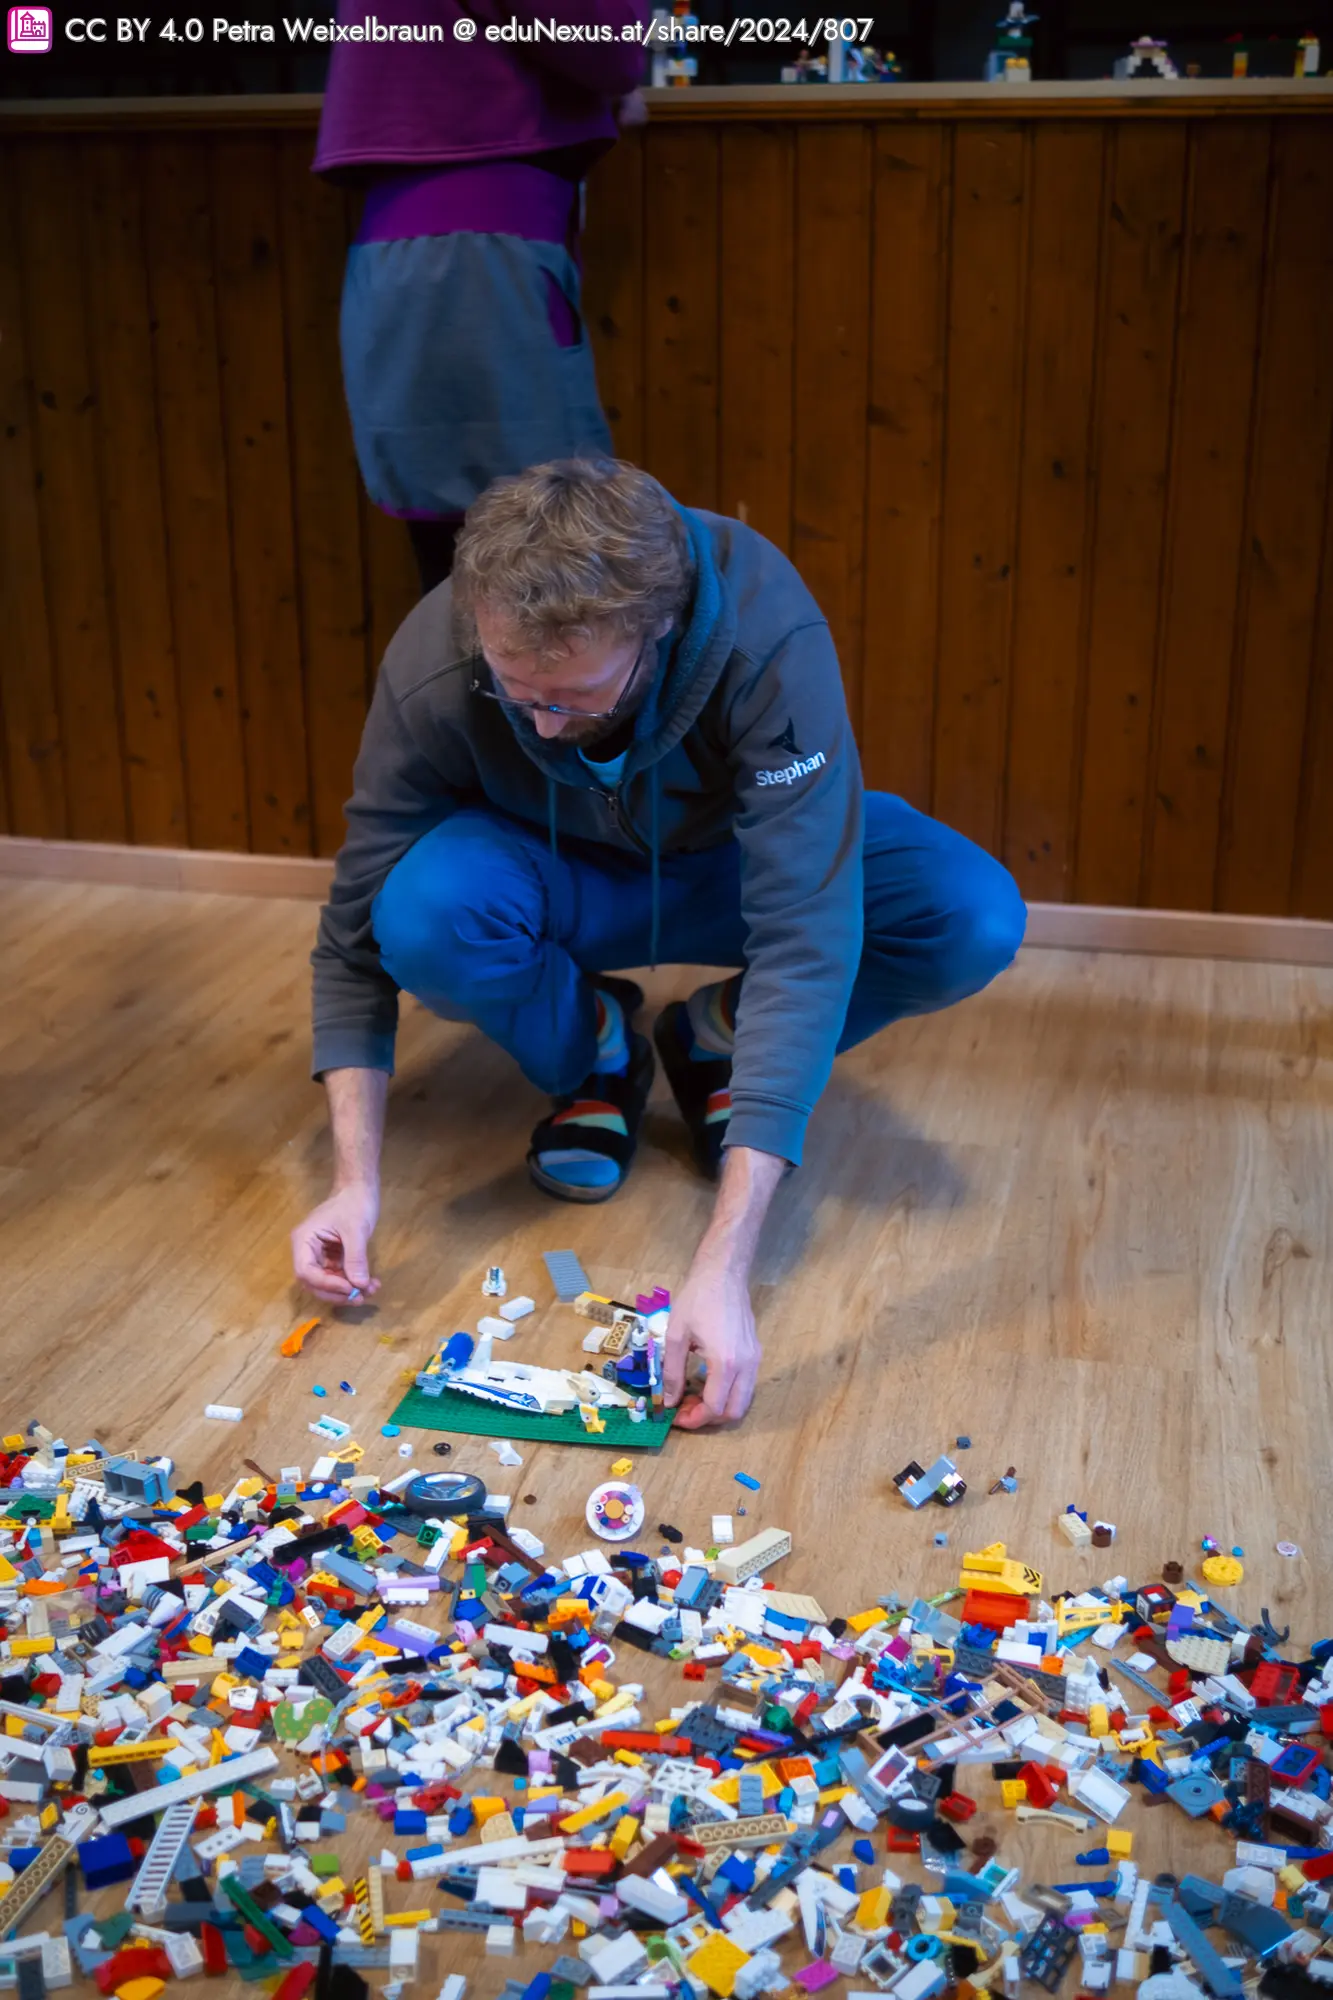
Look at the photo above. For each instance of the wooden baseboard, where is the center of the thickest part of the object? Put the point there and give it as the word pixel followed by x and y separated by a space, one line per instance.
pixel 1062 926
pixel 203 870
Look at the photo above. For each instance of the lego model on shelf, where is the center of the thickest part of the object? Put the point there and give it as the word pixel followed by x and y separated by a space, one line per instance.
pixel 1146 58
pixel 675 34
pixel 1010 61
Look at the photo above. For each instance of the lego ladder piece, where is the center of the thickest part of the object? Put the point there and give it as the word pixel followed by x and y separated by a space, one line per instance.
pixel 39 1875
pixel 148 1891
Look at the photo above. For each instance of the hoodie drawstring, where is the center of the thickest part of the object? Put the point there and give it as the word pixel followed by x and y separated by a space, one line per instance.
pixel 656 876
pixel 551 809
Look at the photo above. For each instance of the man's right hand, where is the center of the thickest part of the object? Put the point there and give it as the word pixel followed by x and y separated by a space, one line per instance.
pixel 331 1248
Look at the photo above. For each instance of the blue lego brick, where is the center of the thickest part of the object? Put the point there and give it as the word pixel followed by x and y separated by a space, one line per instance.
pixel 318 1921
pixel 408 1820
pixel 106 1860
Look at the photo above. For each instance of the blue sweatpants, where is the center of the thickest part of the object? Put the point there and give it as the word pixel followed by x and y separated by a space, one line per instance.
pixel 482 923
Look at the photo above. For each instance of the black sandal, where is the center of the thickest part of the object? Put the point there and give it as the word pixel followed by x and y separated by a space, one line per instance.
pixel 621 1100
pixel 702 1090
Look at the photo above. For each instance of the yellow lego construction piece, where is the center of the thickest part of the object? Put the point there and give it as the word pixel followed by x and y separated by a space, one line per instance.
pixel 1118 1845
pixel 27 1649
pixel 1070 1617
pixel 131 1753
pixel 992 1569
pixel 623 1835
pixel 873 1910
pixel 622 1468
pixel 404 1919
pixel 586 1815
pixel 716 1962
pixel 1013 1791
pixel 863 1621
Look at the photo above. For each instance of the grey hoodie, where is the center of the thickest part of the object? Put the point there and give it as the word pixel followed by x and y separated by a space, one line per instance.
pixel 744 736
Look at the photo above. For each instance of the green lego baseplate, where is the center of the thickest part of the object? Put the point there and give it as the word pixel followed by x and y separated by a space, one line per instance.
pixel 467 1414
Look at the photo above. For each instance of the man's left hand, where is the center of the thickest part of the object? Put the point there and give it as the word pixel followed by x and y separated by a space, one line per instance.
pixel 712 1317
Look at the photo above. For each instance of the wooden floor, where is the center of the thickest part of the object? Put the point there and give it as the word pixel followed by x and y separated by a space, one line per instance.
pixel 1085 1218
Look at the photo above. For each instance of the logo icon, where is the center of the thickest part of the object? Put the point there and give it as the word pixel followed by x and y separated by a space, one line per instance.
pixel 787 740
pixel 30 31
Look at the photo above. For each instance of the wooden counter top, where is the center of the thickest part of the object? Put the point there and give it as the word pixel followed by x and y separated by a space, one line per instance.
pixel 743 103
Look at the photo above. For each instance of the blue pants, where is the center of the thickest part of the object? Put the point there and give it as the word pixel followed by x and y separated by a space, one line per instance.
pixel 481 923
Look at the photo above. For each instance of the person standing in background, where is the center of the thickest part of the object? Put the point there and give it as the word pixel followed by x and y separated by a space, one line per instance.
pixel 464 351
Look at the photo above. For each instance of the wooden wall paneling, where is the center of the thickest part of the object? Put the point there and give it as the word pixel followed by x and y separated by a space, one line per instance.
pixel 680 443
pixel 613 289
pixel 1130 456
pixel 393 582
pixel 1312 889
pixel 330 582
pixel 29 711
pixel 49 190
pixel 905 456
pixel 983 424
pixel 132 493
pixel 178 228
pixel 253 372
pixel 1221 287
pixel 1054 507
pixel 755 320
pixel 1280 555
pixel 831 380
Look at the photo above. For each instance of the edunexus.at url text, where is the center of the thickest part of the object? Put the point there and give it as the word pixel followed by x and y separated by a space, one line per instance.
pixel 747 28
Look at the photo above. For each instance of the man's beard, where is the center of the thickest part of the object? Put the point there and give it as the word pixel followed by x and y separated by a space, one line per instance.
pixel 581 734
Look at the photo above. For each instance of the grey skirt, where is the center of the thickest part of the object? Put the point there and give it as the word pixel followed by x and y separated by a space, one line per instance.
pixel 452 370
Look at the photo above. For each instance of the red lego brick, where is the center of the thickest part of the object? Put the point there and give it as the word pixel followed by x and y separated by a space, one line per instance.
pixel 214 1948
pixel 1041 1792
pixel 958 1806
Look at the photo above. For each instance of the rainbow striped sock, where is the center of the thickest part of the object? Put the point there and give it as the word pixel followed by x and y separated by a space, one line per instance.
pixel 712 1013
pixel 612 1036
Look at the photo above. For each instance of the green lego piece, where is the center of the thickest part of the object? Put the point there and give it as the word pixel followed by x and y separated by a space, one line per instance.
pixel 255 1917
pixel 324 1864
pixel 112 1931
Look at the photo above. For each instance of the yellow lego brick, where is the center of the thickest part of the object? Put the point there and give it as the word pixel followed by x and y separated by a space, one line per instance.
pixel 212 1501
pixel 991 1569
pixel 8 1573
pixel 862 1621
pixel 199 1644
pixel 1099 1721
pixel 404 1919
pixel 765 1656
pixel 727 1788
pixel 629 1757
pixel 623 1836
pixel 131 1753
pixel 1013 1791
pixel 667 1728
pixel 603 1691
pixel 622 1468
pixel 28 1649
pixel 1118 1845
pixel 873 1910
pixel 577 1929
pixel 716 1962
pixel 1291 1877
pixel 485 1806
pixel 246 1489
pixel 831 1796
pixel 14 1442
pixel 586 1815
pixel 47 1818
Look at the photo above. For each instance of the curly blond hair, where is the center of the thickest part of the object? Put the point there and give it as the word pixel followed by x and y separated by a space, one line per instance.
pixel 572 548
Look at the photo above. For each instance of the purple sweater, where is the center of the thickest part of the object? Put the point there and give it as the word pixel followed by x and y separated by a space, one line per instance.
pixel 424 103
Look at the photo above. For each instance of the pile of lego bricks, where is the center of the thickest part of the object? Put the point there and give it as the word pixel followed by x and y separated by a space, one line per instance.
pixel 204 1693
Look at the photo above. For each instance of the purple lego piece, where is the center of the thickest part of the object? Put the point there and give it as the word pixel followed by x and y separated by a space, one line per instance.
pixel 814 1978
pixel 658 1300
pixel 420 1643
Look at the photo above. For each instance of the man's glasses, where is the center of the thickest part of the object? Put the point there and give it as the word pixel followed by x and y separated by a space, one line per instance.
pixel 558 708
